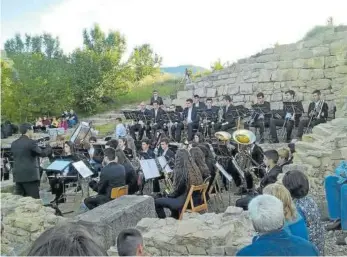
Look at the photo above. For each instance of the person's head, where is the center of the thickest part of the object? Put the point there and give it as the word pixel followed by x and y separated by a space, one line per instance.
pixel 172 107
pixel 266 213
pixel 155 93
pixel 185 168
pixel 68 239
pixel 113 143
pixel 39 119
pixel 260 98
pixel 71 111
pixel 198 137
pixel 289 95
pixel 297 183
pixel 155 105
pixel 316 95
pixel 196 98
pixel 164 143
pixel 209 102
pixel 283 155
pixel 122 142
pixel 227 100
pixel 142 106
pixel 206 150
pixel 54 118
pixel 110 156
pixel 189 103
pixel 145 144
pixel 198 157
pixel 118 120
pixel 26 129
pixel 270 158
pixel 45 117
pixel 120 156
pixel 92 140
pixel 130 243
pixel 283 194
pixel 69 148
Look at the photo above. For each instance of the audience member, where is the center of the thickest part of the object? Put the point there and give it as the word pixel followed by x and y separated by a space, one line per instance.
pixel 130 243
pixel 46 122
pixel 69 239
pixel 266 213
pixel 297 184
pixel 63 123
pixel 72 119
pixel 120 131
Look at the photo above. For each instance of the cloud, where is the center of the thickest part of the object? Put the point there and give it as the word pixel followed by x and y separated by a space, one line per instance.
pixel 192 32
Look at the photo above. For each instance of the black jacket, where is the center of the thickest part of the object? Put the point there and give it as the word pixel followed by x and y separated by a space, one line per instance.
pixel 147 155
pixel 142 115
pixel 159 100
pixel 202 106
pixel 212 113
pixel 228 115
pixel 194 115
pixel 324 113
pixel 159 117
pixel 130 178
pixel 290 110
pixel 26 164
pixel 112 175
pixel 270 177
pixel 169 156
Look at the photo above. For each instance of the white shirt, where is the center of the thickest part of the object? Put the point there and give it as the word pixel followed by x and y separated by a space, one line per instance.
pixel 120 131
pixel 164 153
pixel 189 116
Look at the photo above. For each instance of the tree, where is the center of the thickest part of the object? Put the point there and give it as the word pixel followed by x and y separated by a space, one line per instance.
pixel 217 65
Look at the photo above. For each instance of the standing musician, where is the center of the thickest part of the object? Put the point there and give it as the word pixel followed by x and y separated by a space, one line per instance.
pixel 190 118
pixel 166 152
pixel 317 113
pixel 210 117
pixel 141 125
pixel 258 120
pixel 288 120
pixel 156 98
pixel 157 117
pixel 197 104
pixel 228 119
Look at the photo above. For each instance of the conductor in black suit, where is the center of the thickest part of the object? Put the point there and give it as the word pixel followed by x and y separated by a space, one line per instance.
pixel 26 165
pixel 157 98
pixel 111 176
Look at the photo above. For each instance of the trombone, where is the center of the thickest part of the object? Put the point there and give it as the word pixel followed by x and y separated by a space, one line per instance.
pixel 313 112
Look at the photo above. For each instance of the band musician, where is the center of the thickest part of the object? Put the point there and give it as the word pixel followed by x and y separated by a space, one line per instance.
pixel 289 120
pixel 156 98
pixel 317 113
pixel 228 119
pixel 210 115
pixel 258 119
pixel 167 152
pixel 141 126
pixel 190 118
pixel 197 104
pixel 157 115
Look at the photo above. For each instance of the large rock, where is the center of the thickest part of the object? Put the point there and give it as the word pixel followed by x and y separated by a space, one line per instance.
pixel 109 219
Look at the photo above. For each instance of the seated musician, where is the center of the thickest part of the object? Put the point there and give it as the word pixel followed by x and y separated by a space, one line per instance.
pixel 197 104
pixel 190 118
pixel 130 173
pixel 121 131
pixel 112 175
pixel 186 173
pixel 198 138
pixel 147 154
pixel 113 143
pixel 228 121
pixel 258 119
pixel 57 183
pixel 157 117
pixel 199 159
pixel 141 125
pixel 289 120
pixel 122 144
pixel 177 126
pixel 210 116
pixel 166 152
pixel 95 154
pixel 156 98
pixel 317 107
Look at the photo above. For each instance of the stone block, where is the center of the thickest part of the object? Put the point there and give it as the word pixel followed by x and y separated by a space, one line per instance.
pixel 246 88
pixel 268 58
pixel 267 51
pixel 313 63
pixel 305 54
pixel 285 65
pixel 321 51
pixel 238 98
pixel 285 75
pixel 232 89
pixel 338 46
pixel 111 218
pixel 341 69
pixel 211 92
pixel 276 106
pixel 276 97
pixel 223 90
pixel 264 76
pixel 330 73
pixel 200 92
pixel 321 84
pixel 312 43
pixel 330 62
pixel 185 94
pixel 288 56
pixel 179 102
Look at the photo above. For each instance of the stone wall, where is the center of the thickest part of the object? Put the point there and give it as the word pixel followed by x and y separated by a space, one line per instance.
pixel 317 63
pixel 24 219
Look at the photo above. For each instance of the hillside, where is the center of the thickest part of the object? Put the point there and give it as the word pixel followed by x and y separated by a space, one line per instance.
pixel 179 71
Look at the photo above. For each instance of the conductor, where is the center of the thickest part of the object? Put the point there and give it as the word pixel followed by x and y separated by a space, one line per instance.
pixel 26 167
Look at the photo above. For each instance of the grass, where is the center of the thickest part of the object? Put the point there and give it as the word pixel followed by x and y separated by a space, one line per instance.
pixel 105 129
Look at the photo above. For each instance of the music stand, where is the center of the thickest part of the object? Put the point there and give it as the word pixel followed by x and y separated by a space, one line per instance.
pixel 174 116
pixel 80 134
pixel 128 115
pixel 227 176
pixel 164 164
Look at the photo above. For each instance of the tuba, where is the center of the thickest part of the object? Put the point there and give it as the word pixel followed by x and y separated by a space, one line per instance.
pixel 223 136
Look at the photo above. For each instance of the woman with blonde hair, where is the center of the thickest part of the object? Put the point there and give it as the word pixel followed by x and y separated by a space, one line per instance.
pixel 294 223
pixel 284 157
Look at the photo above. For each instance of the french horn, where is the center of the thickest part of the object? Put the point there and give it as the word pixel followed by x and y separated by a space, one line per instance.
pixel 223 135
pixel 244 137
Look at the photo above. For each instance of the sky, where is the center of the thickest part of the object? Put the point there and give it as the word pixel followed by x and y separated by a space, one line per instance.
pixel 195 32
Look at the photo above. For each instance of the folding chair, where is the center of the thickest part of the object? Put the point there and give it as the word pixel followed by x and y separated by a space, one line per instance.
pixel 189 200
pixel 119 191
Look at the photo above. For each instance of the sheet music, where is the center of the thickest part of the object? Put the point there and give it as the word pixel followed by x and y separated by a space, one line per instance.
pixel 58 165
pixel 224 172
pixel 149 168
pixel 164 165
pixel 82 169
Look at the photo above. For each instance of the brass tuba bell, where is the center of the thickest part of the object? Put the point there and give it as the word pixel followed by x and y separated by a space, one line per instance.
pixel 244 137
pixel 222 135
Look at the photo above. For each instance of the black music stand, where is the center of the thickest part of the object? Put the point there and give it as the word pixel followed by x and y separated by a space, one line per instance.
pixel 293 107
pixel 80 133
pixel 128 115
pixel 146 118
pixel 239 111
pixel 261 109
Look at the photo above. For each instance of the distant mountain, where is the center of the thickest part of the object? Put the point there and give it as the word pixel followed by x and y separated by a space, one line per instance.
pixel 179 71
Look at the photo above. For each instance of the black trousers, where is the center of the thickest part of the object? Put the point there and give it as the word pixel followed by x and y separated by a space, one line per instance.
pixel 31 189
pixel 174 204
pixel 95 201
pixel 275 123
pixel 304 123
pixel 259 123
pixel 140 129
pixel 176 131
pixel 159 125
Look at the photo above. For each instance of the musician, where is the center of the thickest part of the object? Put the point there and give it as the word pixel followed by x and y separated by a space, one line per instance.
pixel 122 144
pixel 130 173
pixel 95 154
pixel 166 152
pixel 197 104
pixel 113 143
pixel 186 173
pixel 190 117
pixel 289 119
pixel 111 176
pixel 25 170
pixel 209 116
pixel 146 152
pixel 141 125
pixel 157 117
pixel 156 98
pixel 199 159
pixel 228 121
pixel 316 107
pixel 258 119
pixel 177 126
pixel 198 138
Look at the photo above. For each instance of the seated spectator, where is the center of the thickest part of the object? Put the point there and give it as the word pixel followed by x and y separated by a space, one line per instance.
pixel 294 223
pixel 284 157
pixel 111 176
pixel 63 123
pixel 55 123
pixel 130 243
pixel 297 184
pixel 121 131
pixel 336 195
pixel 69 239
pixel 73 119
pixel 46 122
pixel 39 125
pixel 266 213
